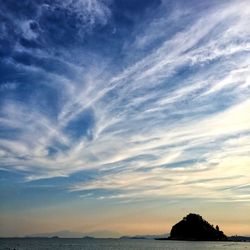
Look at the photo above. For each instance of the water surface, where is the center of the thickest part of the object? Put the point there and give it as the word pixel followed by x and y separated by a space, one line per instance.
pixel 115 244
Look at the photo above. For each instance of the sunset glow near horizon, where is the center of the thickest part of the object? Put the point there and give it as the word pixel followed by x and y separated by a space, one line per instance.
pixel 124 115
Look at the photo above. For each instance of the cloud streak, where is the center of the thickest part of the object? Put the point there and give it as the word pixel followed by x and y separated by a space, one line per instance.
pixel 162 124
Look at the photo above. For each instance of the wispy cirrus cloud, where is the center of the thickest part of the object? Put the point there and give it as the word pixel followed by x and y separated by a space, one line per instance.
pixel 153 126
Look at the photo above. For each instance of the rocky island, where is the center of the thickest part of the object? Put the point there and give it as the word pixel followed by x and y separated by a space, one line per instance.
pixel 194 227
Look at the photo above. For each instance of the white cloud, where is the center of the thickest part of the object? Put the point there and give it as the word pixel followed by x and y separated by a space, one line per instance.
pixel 27 30
pixel 156 135
pixel 90 12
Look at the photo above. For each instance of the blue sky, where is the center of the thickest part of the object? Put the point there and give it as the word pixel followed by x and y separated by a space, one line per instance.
pixel 112 106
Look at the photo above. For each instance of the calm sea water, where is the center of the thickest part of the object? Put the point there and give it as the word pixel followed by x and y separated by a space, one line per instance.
pixel 112 244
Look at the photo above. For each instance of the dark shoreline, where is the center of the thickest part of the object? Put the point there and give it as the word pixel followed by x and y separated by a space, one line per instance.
pixel 230 239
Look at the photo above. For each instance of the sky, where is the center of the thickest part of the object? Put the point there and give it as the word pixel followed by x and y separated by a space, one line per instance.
pixel 124 115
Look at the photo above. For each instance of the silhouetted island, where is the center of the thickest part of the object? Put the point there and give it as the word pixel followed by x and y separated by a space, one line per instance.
pixel 194 227
pixel 55 237
pixel 88 238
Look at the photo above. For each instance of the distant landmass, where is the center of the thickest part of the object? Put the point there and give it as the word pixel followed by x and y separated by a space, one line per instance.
pixel 70 234
pixel 59 234
pixel 239 238
pixel 154 236
pixel 194 227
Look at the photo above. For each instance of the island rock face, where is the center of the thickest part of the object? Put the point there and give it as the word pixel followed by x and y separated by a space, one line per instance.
pixel 194 227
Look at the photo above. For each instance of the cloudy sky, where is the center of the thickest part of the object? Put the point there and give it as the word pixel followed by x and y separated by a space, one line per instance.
pixel 124 115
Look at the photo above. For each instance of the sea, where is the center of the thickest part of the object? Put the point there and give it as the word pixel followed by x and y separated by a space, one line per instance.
pixel 116 244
